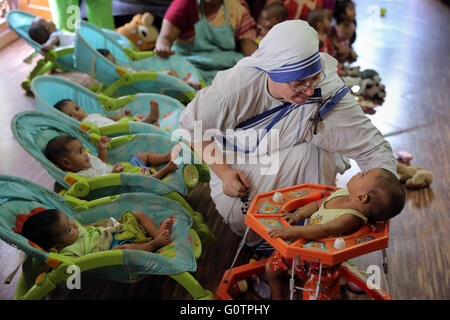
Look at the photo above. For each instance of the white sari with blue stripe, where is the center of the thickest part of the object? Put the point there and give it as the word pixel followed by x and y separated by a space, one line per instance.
pixel 238 99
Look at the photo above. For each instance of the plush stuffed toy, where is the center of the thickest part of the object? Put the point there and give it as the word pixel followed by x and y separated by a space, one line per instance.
pixel 140 31
pixel 371 87
pixel 414 177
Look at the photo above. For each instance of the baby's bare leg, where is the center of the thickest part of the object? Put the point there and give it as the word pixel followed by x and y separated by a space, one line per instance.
pixel 154 159
pixel 146 223
pixel 160 240
pixel 149 225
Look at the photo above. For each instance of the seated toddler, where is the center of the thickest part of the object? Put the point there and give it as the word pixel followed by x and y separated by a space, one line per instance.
pixel 52 229
pixel 69 154
pixel 375 195
pixel 44 32
pixel 73 110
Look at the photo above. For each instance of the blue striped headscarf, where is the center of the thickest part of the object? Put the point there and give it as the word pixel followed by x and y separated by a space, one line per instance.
pixel 289 52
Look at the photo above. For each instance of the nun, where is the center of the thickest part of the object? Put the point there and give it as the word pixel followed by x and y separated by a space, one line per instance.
pixel 285 104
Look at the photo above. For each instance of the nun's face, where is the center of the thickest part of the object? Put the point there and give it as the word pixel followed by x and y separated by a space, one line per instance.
pixel 296 92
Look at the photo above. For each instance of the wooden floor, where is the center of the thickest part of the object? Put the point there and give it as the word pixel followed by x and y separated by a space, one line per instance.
pixel 409 48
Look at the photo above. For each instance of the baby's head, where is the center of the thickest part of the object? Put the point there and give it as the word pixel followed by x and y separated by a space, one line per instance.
pixel 41 29
pixel 319 20
pixel 270 16
pixel 70 108
pixel 67 153
pixel 107 54
pixel 379 193
pixel 344 10
pixel 49 229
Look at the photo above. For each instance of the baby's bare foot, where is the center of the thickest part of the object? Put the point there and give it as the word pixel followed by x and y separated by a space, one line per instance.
pixel 166 225
pixel 161 240
pixel 153 116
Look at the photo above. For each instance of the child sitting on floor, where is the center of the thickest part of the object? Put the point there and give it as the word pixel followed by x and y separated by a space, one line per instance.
pixel 69 154
pixel 375 195
pixel 320 21
pixel 44 32
pixel 108 55
pixel 52 229
pixel 342 32
pixel 73 110
pixel 270 16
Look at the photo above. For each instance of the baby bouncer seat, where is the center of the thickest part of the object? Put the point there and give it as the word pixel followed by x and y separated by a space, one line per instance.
pixel 49 90
pixel 116 78
pixel 34 129
pixel 60 58
pixel 127 55
pixel 18 197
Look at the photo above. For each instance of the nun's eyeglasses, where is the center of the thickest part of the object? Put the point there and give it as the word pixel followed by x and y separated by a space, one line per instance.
pixel 311 83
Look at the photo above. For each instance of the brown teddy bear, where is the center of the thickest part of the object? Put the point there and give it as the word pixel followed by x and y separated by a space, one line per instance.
pixel 140 31
pixel 414 177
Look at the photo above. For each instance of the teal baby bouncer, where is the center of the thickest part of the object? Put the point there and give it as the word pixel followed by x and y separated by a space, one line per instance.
pixel 33 130
pixel 18 197
pixel 93 38
pixel 48 90
pixel 20 22
pixel 118 79
pixel 125 55
pixel 61 58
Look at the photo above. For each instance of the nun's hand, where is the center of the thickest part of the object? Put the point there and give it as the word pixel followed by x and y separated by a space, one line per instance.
pixel 235 183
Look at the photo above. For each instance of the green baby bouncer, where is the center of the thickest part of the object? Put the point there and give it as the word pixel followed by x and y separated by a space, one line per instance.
pixel 19 198
pixel 65 15
pixel 34 129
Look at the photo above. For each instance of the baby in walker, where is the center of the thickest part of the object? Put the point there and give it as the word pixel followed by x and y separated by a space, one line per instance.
pixel 375 195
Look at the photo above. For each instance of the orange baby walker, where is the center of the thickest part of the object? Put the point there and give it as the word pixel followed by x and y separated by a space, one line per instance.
pixel 265 213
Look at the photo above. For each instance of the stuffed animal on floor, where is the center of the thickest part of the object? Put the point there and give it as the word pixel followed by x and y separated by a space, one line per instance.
pixel 414 177
pixel 366 83
pixel 140 31
pixel 371 87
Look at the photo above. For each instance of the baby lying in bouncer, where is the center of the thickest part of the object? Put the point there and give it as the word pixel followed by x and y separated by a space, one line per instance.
pixel 73 110
pixel 69 154
pixel 44 32
pixel 52 229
